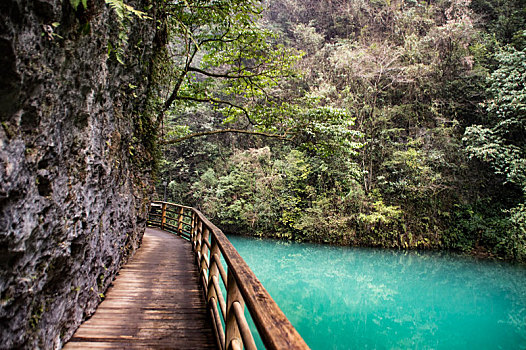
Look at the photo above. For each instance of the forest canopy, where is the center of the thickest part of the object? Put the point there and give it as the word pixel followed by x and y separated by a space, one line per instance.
pixel 394 123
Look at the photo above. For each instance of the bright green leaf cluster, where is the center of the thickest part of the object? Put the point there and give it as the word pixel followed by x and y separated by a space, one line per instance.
pixel 75 3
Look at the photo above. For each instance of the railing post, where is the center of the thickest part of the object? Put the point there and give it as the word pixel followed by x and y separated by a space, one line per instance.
pixel 193 230
pixel 213 270
pixel 163 216
pixel 202 264
pixel 180 221
pixel 233 336
pixel 212 295
pixel 198 240
pixel 204 249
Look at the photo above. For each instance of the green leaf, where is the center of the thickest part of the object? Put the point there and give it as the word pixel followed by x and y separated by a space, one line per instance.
pixel 74 4
pixel 110 49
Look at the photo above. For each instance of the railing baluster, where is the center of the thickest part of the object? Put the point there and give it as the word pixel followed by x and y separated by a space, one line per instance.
pixel 232 295
pixel 236 344
pixel 220 333
pixel 222 271
pixel 192 227
pixel 214 293
pixel 205 236
pixel 180 221
pixel 199 244
pixel 163 216
pixel 246 334
pixel 220 296
pixel 194 232
pixel 213 271
pixel 205 264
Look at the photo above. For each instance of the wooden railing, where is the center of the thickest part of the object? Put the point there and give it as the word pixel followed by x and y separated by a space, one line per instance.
pixel 242 286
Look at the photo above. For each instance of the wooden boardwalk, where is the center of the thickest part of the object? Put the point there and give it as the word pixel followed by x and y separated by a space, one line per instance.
pixel 155 302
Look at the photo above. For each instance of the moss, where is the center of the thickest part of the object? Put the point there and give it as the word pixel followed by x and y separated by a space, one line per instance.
pixel 100 281
pixel 10 133
pixel 36 316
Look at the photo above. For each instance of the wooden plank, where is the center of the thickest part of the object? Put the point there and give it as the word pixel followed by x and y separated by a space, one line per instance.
pixel 274 328
pixel 155 302
pixel 123 344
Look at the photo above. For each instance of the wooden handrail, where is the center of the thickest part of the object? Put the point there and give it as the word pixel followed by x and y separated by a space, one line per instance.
pixel 243 287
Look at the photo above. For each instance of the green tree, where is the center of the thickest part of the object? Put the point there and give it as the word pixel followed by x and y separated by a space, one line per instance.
pixel 501 143
pixel 374 111
pixel 222 56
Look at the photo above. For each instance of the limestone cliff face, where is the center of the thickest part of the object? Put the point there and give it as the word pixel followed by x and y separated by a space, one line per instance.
pixel 74 169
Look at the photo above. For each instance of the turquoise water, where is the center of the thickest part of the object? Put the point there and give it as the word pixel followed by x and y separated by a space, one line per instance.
pixel 353 298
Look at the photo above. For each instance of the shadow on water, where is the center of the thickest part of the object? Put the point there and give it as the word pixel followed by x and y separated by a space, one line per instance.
pixel 341 298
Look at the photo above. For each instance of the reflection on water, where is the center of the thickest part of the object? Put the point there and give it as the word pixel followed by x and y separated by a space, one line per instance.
pixel 341 298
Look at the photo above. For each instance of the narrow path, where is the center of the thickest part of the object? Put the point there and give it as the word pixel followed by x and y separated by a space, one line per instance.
pixel 155 302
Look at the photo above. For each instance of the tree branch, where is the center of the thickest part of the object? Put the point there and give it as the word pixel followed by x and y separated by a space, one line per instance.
pixel 213 100
pixel 173 95
pixel 223 131
pixel 221 38
pixel 225 75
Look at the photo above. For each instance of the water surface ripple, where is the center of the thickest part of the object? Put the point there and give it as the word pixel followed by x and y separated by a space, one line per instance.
pixel 354 298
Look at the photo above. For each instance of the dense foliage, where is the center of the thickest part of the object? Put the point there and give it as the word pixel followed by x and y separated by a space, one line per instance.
pixel 394 123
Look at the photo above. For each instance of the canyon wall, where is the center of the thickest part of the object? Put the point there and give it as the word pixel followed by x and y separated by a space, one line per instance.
pixel 76 159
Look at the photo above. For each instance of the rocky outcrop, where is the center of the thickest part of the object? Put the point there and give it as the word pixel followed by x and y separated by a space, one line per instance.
pixel 75 165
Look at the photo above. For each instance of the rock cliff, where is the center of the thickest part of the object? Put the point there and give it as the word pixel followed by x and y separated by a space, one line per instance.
pixel 75 160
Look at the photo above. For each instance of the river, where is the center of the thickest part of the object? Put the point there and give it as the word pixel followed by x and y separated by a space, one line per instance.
pixel 358 298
